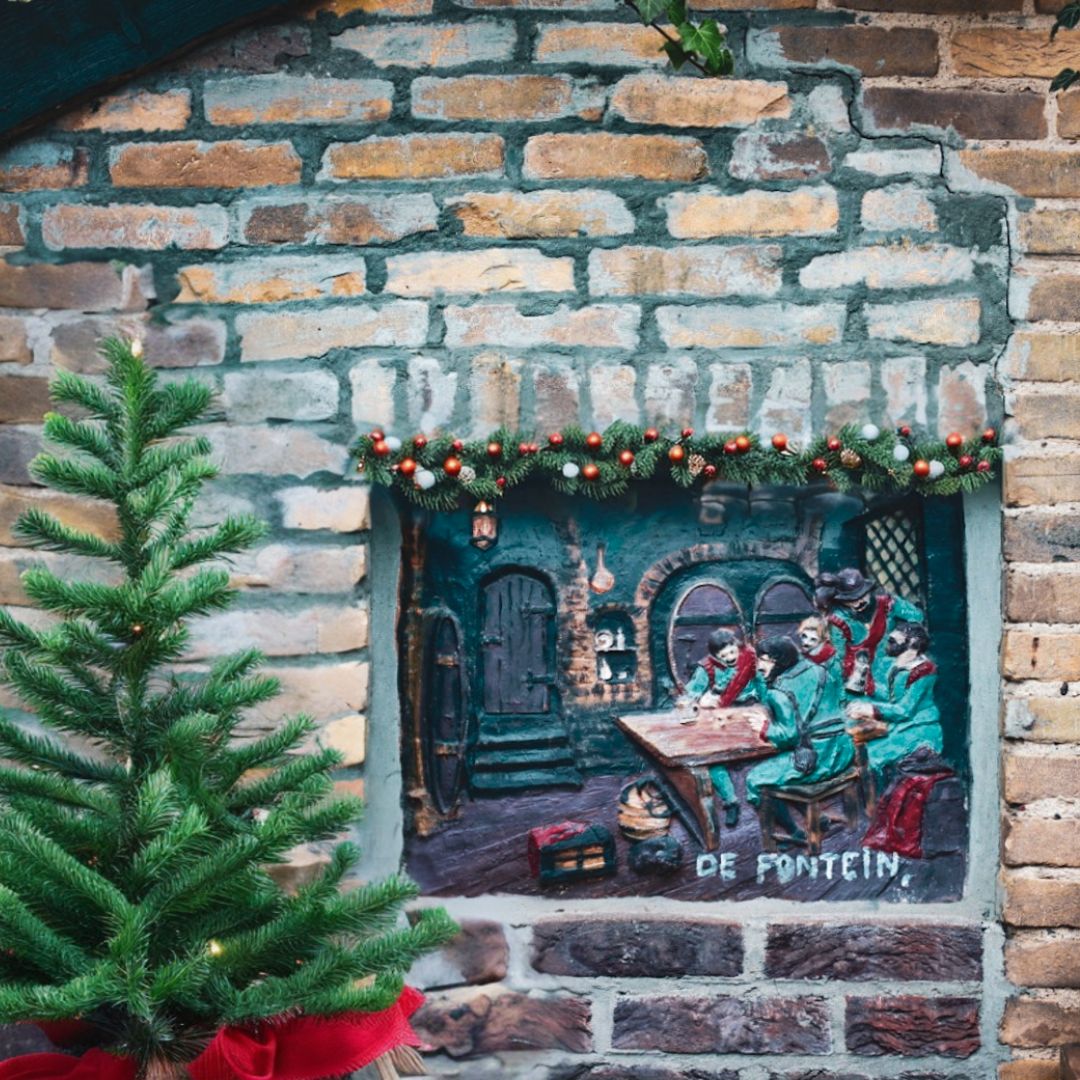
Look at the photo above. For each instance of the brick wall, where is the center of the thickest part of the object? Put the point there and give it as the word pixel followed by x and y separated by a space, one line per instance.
pixel 459 214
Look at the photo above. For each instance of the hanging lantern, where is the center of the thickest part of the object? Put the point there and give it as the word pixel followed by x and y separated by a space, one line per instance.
pixel 485 526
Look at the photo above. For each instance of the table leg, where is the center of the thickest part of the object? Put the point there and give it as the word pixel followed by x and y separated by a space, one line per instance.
pixel 695 791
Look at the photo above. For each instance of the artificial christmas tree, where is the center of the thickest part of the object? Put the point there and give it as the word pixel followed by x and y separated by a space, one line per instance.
pixel 136 831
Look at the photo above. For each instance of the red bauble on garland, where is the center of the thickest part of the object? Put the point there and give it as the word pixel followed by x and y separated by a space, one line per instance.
pixel 420 441
pixel 500 481
pixel 494 449
pixel 407 467
pixel 676 453
pixel 378 435
pixel 780 441
pixel 834 443
pixel 742 443
pixel 590 471
pixel 594 440
pixel 687 432
pixel 452 466
pixel 921 468
pixel 819 464
pixel 709 472
pixel 731 447
pixel 954 440
pixel 651 434
pixel 555 439
pixel 964 461
pixel 457 446
pixel 904 431
pixel 523 448
pixel 983 466
pixel 989 435
pixel 380 448
pixel 626 458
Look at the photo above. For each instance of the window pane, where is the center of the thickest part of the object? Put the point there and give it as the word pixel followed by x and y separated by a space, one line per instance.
pixel 780 610
pixel 702 610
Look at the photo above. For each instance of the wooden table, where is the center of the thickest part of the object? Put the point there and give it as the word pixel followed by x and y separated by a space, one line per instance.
pixel 683 754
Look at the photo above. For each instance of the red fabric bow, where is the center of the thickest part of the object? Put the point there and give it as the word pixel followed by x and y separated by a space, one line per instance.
pixel 300 1048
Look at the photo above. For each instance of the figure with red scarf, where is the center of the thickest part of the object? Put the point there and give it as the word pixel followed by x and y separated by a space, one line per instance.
pixel 860 617
pixel 726 676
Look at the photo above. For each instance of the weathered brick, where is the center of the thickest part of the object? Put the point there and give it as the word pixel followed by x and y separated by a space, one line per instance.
pixel 255 50
pixel 898 207
pixel 24 399
pixel 612 393
pixel 295 335
pixel 132 110
pixel 730 386
pixel 1053 960
pixel 348 736
pixel 974 114
pixel 1046 479
pixel 14 342
pixel 670 391
pixel 1048 174
pixel 1050 232
pixel 1045 297
pixel 469 1023
pixel 607 156
pixel 933 322
pixel 961 393
pixel 37 165
pixel 651 98
pixel 705 213
pixel 434 45
pixel 415 157
pixel 866 951
pixel 323 691
pixel 143 228
pixel 618 44
pixel 11 227
pixel 1044 719
pixel 847 389
pixel 431 393
pixel 895 267
pixel 1012 53
pixel 18 447
pixel 396 8
pixel 478 954
pixel 1031 776
pixel 324 628
pixel 272 395
pixel 513 215
pixel 1048 414
pixel 338 219
pixel 925 161
pixel 556 396
pixel 786 405
pixel 1037 1023
pixel 715 326
pixel 912 1026
pixel 340 510
pixel 1068 117
pixel 934 7
pixel 308 568
pixel 904 381
pixel 1029 1069
pixel 506 97
pixel 739 1025
pixel 429 273
pixel 1029 841
pixel 494 393
pixel 271 279
pixel 246 450
pixel 81 286
pixel 740 5
pixel 1042 537
pixel 599 326
pixel 184 343
pixel 872 50
pixel 296 99
pixel 1041 654
pixel 372 384
pixel 237 163
pixel 704 270
pixel 765 155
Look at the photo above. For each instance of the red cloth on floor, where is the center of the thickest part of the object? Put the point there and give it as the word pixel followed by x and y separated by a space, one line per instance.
pixel 898 819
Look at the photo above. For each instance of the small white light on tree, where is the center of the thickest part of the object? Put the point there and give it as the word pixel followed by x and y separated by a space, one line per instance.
pixel 900 452
pixel 136 347
pixel 571 470
pixel 425 479
pixel 215 948
pixel 870 432
pixel 393 442
pixel 936 469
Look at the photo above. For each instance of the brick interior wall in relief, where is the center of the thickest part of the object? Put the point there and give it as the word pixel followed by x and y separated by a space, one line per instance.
pixel 424 214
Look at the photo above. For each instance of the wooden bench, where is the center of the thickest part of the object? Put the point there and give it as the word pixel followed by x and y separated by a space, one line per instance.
pixel 810 800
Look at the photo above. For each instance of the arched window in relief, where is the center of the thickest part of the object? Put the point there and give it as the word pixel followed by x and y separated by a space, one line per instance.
pixel 704 607
pixel 781 606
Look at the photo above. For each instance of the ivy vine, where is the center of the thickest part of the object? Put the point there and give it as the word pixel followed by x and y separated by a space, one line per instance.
pixel 1068 18
pixel 702 45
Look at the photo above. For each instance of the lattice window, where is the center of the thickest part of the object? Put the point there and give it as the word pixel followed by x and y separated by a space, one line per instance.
pixel 893 554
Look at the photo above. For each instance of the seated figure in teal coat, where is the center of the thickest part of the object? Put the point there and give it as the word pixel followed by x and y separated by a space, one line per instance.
pixel 726 676
pixel 904 700
pixel 805 700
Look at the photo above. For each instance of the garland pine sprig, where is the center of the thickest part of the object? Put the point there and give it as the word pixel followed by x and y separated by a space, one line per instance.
pixel 437 472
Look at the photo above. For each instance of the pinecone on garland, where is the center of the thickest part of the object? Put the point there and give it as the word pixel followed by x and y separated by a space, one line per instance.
pixel 695 464
pixel 467 474
pixel 850 459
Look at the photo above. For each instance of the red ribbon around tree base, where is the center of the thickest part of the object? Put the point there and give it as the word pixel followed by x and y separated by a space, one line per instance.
pixel 300 1048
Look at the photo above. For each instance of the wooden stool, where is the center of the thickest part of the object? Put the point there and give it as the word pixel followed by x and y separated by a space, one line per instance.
pixel 863 732
pixel 810 798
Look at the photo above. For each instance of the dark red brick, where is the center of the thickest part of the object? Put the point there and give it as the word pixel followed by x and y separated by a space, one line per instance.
pixel 606 1071
pixel 934 7
pixel 479 954
pixel 637 948
pixel 912 1026
pixel 764 155
pixel 723 1025
pixel 855 951
pixel 259 51
pixel 974 114
pixel 873 50
pixel 475 1022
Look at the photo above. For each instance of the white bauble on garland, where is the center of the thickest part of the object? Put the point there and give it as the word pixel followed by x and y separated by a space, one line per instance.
pixel 571 470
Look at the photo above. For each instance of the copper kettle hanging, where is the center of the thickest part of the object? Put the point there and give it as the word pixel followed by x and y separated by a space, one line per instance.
pixel 603 580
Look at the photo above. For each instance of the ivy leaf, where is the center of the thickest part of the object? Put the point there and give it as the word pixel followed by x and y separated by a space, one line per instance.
pixel 676 11
pixel 1064 79
pixel 650 10
pixel 1068 18
pixel 676 54
pixel 707 40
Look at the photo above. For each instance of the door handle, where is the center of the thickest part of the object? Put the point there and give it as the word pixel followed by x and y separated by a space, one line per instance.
pixel 539 680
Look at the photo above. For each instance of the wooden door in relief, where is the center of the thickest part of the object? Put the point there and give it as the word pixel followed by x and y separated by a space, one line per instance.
pixel 517 641
pixel 445 710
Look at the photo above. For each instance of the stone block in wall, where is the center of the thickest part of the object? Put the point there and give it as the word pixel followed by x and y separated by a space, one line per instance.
pixel 434 45
pixel 556 396
pixel 1044 959
pixel 1043 356
pixel 1070 1062
pixel 531 98
pixel 847 389
pixel 1042 594
pixel 867 951
pixel 1010 53
pixel 401 9
pixel 911 1026
pixel 961 394
pixel 18 447
pixel 348 736
pixel 780 155
pixel 715 326
pixel 24 399
pixel 923 161
pixel 934 7
pixel 495 392
pixel 605 155
pixel 501 270
pixel 651 98
pixel 142 228
pixel 470 1023
pixel 730 387
pixel 1050 232
pixel 337 219
pixel 1046 174
pixel 1031 775
pixel 1044 718
pixel 323 628
pixel 341 509
pixel 1036 1022
pixel 1036 841
pixel 612 326
pixel 39 165
pixel 875 51
pixel 612 392
pixel 786 405
pixel 1068 118
pixel 255 50
pixel 415 157
pixel 250 397
pixel 637 947
pixel 972 114
pixel 904 382
pixel 248 450
pixel 1029 1069
pixel 87 515
pixel 929 322
pixel 702 270
pixel 671 392
pixel 1042 479
pixel 431 393
pixel 621 44
pixel 296 99
pixel 722 1025
pixel 478 954
pixel 14 341
pixel 1045 297
pixel 326 691
pixel 701 214
pixel 12 234
pixel 899 207
pixel 1046 654
pixel 78 286
pixel 236 163
pixel 898 266
pixel 372 384
pixel 183 343
pixel 515 215
pixel 1040 899
pixel 299 568
pixel 271 279
pixel 131 110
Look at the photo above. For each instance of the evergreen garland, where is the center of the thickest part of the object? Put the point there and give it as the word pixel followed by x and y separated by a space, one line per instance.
pixel 134 890
pixel 436 472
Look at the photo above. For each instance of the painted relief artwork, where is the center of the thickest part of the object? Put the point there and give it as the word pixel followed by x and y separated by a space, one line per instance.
pixel 750 693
